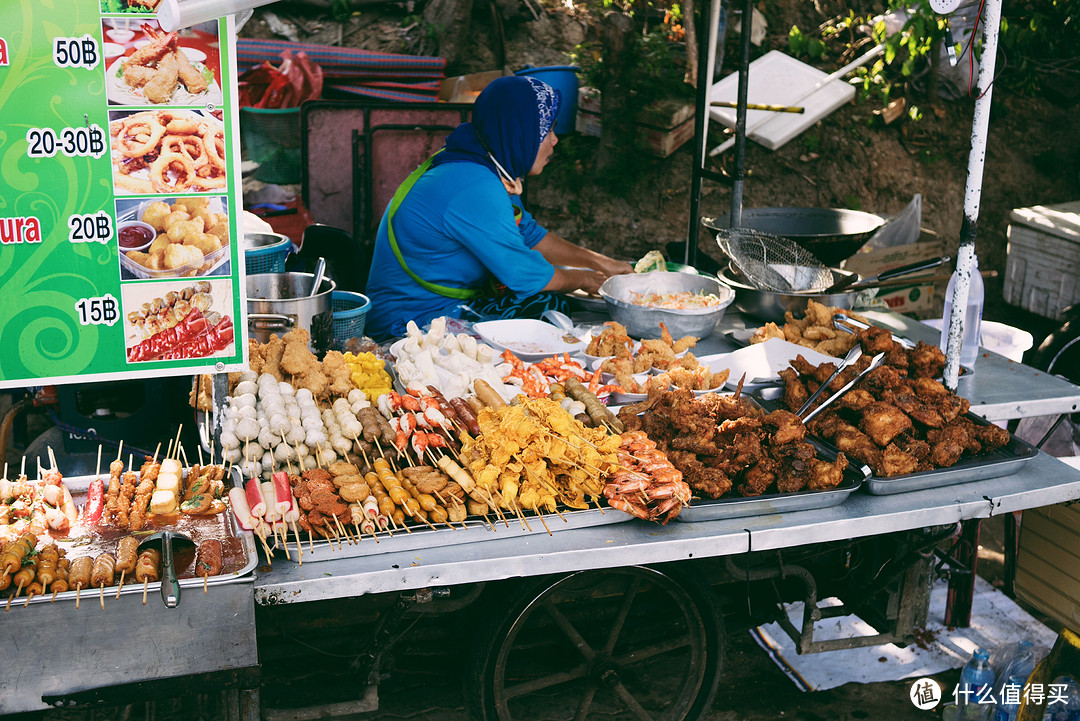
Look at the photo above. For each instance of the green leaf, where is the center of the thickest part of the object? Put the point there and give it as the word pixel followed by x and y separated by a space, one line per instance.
pixel 890 52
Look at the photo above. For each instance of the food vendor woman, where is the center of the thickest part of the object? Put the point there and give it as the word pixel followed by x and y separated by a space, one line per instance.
pixel 455 239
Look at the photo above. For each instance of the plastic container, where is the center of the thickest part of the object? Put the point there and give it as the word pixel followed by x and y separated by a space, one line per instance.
pixel 1009 703
pixel 272 139
pixel 563 78
pixel 976 682
pixel 266 252
pixel 350 314
pixel 969 350
pixel 1000 338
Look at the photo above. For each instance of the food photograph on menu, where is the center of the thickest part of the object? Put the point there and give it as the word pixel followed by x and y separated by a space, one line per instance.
pixel 141 7
pixel 167 151
pixel 178 321
pixel 173 237
pixel 148 66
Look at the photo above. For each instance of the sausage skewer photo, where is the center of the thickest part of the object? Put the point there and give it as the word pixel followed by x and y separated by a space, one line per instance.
pixel 79 575
pixel 148 568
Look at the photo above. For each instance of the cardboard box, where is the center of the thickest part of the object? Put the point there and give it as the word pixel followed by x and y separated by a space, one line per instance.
pixel 1048 560
pixel 662 127
pixel 1043 259
pixel 465 88
pixel 915 299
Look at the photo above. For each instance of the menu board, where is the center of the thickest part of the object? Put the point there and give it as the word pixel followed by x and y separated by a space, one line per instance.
pixel 119 195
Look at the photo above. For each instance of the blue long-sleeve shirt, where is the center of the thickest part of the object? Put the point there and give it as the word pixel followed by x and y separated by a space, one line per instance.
pixel 455 228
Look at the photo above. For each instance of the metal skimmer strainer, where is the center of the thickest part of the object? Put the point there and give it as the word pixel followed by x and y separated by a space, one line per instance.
pixel 772 263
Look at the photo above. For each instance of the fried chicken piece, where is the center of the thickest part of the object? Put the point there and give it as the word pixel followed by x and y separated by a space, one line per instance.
pixel 826 425
pixel 895 462
pixel 272 353
pixel 917 410
pixel 991 437
pixel 883 422
pixel 876 340
pixel 952 407
pixel 765 332
pixel 757 479
pixel 929 389
pixel 838 346
pixel 795 392
pixel 915 447
pixel 722 408
pixel 806 368
pixel 825 475
pixel 857 444
pixel 856 399
pixel 925 361
pixel 793 465
pixel 787 426
pixel 949 443
pixel 338 373
pixel 881 379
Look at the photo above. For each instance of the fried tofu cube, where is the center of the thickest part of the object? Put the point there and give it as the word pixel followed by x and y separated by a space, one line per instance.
pixel 163 502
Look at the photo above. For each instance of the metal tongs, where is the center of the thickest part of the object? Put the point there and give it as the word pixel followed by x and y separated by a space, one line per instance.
pixel 853 355
pixel 849 325
pixel 874 363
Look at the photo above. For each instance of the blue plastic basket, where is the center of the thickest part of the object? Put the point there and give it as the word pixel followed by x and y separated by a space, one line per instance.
pixel 266 253
pixel 350 314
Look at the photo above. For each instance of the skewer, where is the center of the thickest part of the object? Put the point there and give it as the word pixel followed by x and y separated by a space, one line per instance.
pixel 311 542
pixel 52 456
pixel 120 450
pixel 22 469
pixel 599 507
pixel 521 517
pixel 199 449
pixel 168 450
pixel 8 607
pixel 145 583
pixel 177 443
pixel 299 543
pixel 560 515
pixel 102 589
pixel 26 603
pixel 205 581
pixel 78 593
pixel 97 470
pixel 121 587
pixel 541 516
pixel 55 591
pixel 156 451
pixel 99 463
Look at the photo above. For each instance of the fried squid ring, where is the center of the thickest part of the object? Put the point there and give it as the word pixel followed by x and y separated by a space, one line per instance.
pixel 214 144
pixel 167 162
pixel 144 141
pixel 188 145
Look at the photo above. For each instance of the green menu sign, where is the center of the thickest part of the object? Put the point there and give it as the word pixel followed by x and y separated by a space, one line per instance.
pixel 119 194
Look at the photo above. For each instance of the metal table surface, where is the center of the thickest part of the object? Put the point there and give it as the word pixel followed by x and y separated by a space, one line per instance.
pixel 1043 481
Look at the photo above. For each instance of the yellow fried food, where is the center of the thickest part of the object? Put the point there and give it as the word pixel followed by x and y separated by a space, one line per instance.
pixel 203 241
pixel 178 255
pixel 155 215
pixel 179 232
pixel 159 245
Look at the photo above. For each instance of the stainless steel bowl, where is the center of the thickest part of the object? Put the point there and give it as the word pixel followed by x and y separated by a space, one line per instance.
pixel 643 321
pixel 768 305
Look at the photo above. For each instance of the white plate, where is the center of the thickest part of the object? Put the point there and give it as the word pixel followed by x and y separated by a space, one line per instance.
pixel 112 50
pixel 122 94
pixel 194 55
pixel 623 398
pixel 762 362
pixel 529 340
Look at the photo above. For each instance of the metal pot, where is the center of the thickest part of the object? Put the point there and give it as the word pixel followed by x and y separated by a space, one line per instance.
pixel 832 234
pixel 279 302
pixel 768 305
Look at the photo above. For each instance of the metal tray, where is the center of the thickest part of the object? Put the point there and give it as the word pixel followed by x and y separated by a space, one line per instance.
pixel 1005 461
pixel 740 506
pixel 475 531
pixel 78 486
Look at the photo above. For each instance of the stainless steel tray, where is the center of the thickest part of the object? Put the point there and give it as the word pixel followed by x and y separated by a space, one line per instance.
pixel 475 531
pixel 78 486
pixel 770 503
pixel 1005 461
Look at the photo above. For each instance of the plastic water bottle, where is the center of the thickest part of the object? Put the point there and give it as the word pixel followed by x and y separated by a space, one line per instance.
pixel 976 681
pixel 969 350
pixel 1022 662
pixel 1008 708
pixel 1068 711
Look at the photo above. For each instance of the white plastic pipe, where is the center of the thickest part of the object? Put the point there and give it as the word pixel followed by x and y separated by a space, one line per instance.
pixel 176 14
pixel 980 126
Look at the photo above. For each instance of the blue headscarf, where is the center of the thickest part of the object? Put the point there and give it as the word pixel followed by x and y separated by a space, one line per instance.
pixel 510 118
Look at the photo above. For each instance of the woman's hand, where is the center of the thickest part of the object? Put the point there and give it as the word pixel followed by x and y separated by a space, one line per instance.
pixel 610 266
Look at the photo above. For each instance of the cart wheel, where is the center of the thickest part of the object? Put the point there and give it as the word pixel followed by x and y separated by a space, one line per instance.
pixel 636 643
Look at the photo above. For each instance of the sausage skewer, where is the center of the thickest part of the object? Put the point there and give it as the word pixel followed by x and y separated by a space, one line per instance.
pixel 148 568
pixel 208 560
pixel 102 574
pixel 79 575
pixel 127 554
pixel 61 582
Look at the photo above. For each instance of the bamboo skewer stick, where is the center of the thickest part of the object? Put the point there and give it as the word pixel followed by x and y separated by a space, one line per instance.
pixel 121 586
